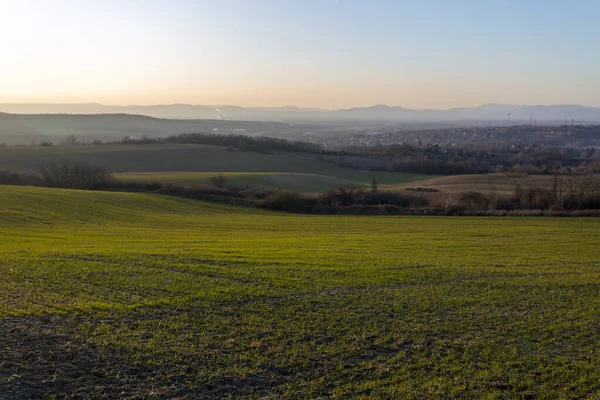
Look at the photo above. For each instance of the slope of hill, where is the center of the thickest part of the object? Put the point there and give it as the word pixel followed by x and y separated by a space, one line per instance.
pixel 484 183
pixel 128 295
pixel 299 182
pixel 174 158
pixel 21 129
pixel 191 163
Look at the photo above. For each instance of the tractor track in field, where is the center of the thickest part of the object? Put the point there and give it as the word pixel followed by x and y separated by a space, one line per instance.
pixel 50 355
pixel 199 262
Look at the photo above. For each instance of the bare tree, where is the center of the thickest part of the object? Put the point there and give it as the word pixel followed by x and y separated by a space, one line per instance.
pixel 374 185
pixel 492 197
pixel 71 140
pixel 73 174
pixel 219 180
pixel 474 200
pixel 449 201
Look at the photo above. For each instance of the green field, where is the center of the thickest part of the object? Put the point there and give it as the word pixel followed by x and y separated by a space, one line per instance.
pixel 291 181
pixel 182 163
pixel 176 158
pixel 125 295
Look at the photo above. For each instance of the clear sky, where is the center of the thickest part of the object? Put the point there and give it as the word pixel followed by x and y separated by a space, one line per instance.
pixel 326 53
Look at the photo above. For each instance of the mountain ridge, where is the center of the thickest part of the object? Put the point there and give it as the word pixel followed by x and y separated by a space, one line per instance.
pixel 378 112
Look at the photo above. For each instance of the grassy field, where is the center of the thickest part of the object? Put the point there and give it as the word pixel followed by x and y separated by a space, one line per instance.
pixel 163 157
pixel 124 295
pixel 292 181
pixel 181 163
pixel 184 158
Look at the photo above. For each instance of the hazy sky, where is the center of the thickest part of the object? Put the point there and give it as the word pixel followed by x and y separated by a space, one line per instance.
pixel 329 54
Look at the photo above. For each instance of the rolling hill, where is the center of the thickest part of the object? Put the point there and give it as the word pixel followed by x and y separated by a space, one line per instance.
pixel 485 183
pixel 129 295
pixel 191 163
pixel 183 158
pixel 22 128
pixel 299 182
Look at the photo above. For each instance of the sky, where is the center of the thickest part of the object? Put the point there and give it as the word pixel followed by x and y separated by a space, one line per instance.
pixel 326 53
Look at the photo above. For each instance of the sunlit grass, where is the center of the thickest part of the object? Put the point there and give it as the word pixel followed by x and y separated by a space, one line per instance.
pixel 238 302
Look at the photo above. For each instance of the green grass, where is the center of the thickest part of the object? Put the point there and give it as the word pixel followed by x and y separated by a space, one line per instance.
pixel 197 163
pixel 292 181
pixel 139 296
pixel 176 158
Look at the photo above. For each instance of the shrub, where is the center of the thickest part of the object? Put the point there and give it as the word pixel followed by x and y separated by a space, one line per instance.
pixel 395 199
pixel 282 200
pixel 219 180
pixel 507 203
pixel 420 189
pixel 22 179
pixel 74 175
pixel 474 200
pixel 341 197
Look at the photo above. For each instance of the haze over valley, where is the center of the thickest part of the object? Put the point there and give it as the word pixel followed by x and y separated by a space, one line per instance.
pixel 490 113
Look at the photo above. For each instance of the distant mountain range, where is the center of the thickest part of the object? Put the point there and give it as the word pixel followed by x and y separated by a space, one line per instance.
pixel 487 112
pixel 25 128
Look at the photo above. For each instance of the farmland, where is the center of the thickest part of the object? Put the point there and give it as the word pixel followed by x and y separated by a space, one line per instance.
pixel 292 181
pixel 484 183
pixel 137 296
pixel 184 158
pixel 191 164
pixel 163 158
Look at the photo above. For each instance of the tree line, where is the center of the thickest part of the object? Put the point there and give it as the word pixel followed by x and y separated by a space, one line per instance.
pixel 568 194
pixel 233 142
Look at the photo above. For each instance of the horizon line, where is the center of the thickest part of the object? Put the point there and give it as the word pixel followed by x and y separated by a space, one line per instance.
pixel 287 106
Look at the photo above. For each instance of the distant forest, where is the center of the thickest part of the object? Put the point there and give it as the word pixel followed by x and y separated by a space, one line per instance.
pixel 238 142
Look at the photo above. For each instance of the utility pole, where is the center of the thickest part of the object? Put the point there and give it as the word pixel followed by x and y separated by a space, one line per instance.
pixel 531 119
pixel 509 119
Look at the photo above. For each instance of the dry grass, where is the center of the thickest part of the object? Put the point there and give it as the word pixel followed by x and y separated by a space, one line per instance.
pixel 484 183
